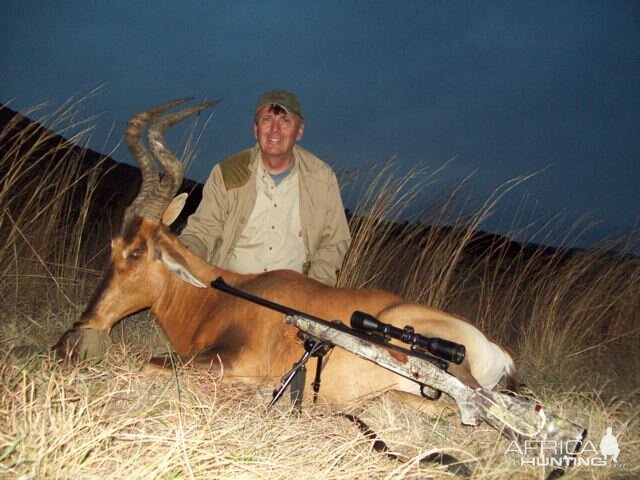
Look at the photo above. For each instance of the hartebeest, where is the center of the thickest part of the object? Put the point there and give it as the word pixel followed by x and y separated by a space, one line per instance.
pixel 150 268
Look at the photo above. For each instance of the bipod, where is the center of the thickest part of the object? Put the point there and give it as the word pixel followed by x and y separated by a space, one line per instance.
pixel 296 377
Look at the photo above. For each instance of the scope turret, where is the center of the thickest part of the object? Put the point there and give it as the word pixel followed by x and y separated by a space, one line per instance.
pixel 439 347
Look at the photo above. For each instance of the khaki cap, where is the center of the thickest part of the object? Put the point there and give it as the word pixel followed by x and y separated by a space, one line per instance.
pixel 286 100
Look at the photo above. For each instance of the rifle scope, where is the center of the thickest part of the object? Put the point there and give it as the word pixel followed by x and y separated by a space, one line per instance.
pixel 439 347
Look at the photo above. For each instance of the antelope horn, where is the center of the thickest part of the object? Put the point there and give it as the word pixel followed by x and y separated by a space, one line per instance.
pixel 151 186
pixel 171 166
pixel 133 137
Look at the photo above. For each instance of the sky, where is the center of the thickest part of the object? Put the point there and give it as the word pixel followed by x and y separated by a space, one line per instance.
pixel 491 90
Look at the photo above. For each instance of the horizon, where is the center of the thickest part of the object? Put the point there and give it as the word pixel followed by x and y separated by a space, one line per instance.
pixel 409 218
pixel 506 89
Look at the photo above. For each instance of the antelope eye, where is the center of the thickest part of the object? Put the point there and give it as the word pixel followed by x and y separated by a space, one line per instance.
pixel 136 254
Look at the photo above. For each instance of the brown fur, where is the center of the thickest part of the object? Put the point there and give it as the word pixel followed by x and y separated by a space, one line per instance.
pixel 252 342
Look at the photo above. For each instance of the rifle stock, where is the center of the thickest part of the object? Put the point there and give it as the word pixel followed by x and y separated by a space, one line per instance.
pixel 513 416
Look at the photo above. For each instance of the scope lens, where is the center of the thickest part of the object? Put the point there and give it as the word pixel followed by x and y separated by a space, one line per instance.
pixel 364 321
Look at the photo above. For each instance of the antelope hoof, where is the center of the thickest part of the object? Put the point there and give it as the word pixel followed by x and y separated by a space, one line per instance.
pixel 78 344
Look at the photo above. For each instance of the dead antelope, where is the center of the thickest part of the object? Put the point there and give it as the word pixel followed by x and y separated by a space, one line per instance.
pixel 150 268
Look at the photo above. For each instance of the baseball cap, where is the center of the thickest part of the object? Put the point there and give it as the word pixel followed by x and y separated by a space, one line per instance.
pixel 286 100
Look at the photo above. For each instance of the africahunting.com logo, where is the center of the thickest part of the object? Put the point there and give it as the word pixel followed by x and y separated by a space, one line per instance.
pixel 571 453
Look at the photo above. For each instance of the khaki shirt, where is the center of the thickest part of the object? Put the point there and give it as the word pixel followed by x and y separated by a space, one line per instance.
pixel 272 239
pixel 228 199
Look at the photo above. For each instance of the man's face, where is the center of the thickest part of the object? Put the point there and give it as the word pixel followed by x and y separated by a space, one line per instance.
pixel 277 131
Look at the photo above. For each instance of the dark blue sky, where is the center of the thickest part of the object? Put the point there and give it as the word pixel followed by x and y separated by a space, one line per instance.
pixel 508 88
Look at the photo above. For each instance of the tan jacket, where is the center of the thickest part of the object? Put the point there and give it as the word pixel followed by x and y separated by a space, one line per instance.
pixel 228 199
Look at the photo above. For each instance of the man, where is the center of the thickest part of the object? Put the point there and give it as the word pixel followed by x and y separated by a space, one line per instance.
pixel 273 206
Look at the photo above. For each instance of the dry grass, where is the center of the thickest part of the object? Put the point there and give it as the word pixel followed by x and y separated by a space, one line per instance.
pixel 107 421
pixel 571 321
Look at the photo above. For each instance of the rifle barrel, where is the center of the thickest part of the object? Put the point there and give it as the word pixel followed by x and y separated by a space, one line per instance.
pixel 223 286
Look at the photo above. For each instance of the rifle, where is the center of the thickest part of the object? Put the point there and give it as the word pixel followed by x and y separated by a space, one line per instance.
pixel 516 417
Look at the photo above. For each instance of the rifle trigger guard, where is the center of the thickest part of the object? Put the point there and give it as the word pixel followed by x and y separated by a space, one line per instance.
pixel 429 393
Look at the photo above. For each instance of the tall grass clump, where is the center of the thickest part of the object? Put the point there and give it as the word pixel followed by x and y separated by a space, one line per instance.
pixel 569 318
pixel 45 198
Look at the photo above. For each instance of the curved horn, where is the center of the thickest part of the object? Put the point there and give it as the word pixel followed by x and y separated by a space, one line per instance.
pixel 172 167
pixel 146 202
pixel 133 137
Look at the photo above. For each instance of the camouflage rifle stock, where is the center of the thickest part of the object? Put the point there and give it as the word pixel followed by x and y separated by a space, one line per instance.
pixel 511 415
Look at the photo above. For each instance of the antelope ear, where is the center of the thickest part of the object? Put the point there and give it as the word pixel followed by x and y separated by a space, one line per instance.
pixel 177 265
pixel 173 210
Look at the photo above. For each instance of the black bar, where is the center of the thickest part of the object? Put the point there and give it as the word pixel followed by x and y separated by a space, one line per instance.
pixel 221 285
